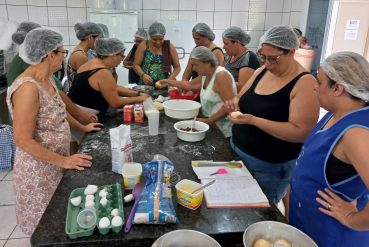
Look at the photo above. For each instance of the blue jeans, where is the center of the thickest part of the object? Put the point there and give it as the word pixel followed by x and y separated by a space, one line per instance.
pixel 274 178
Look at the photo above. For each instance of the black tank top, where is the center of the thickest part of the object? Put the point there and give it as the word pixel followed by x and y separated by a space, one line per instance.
pixel 194 73
pixel 275 107
pixel 84 95
pixel 132 76
pixel 336 170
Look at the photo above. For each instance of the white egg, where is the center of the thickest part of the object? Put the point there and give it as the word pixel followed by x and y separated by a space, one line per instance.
pixel 90 197
pixel 103 192
pixel 90 189
pixel 103 201
pixel 117 221
pixel 90 203
pixel 128 198
pixel 104 222
pixel 76 201
pixel 115 212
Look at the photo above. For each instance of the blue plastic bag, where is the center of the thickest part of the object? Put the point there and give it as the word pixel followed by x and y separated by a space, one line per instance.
pixel 155 204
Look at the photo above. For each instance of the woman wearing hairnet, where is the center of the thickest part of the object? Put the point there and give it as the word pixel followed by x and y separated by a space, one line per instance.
pixel 87 33
pixel 241 62
pixel 216 84
pixel 203 36
pixel 41 128
pixel 329 189
pixel 279 110
pixel 155 57
pixel 140 36
pixel 94 87
pixel 18 66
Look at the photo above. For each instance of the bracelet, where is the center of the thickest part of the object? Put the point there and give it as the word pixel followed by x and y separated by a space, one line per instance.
pixel 142 75
pixel 138 93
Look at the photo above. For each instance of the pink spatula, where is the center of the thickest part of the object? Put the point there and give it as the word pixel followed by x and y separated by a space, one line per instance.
pixel 220 171
pixel 136 192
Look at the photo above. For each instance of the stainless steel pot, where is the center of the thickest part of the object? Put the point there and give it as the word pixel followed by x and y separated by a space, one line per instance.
pixel 145 89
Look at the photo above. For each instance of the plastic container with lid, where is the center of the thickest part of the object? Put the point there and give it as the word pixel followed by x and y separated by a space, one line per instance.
pixel 184 196
pixel 131 172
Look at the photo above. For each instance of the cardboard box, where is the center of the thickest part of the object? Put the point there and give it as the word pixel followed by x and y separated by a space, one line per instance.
pixel 138 112
pixel 128 113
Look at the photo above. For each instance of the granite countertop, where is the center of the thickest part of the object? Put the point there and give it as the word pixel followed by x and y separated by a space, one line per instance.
pixel 226 225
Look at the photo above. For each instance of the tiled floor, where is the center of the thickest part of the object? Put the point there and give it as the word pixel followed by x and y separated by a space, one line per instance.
pixel 10 234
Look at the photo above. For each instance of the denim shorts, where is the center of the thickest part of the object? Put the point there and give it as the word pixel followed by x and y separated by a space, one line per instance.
pixel 274 178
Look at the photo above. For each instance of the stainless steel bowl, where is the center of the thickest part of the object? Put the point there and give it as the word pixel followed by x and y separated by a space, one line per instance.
pixel 272 231
pixel 145 89
pixel 185 238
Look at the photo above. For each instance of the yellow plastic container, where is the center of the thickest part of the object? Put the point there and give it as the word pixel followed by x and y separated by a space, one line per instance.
pixel 131 172
pixel 184 196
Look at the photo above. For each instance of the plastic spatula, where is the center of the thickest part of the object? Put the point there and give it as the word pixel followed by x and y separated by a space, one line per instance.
pixel 136 192
pixel 220 171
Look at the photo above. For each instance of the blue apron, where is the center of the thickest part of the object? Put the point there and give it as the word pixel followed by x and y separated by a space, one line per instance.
pixel 309 177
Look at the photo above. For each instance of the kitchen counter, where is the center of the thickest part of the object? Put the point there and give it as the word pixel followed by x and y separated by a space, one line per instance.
pixel 226 225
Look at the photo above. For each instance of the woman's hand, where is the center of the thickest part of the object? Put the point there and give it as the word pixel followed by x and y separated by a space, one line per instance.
pixel 243 119
pixel 128 65
pixel 93 127
pixel 77 161
pixel 143 97
pixel 86 117
pixel 337 208
pixel 231 105
pixel 147 79
pixel 162 83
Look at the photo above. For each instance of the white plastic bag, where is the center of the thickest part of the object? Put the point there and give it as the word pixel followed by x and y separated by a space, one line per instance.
pixel 121 147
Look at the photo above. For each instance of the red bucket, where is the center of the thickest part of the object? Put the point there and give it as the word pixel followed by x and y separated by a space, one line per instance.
pixel 174 95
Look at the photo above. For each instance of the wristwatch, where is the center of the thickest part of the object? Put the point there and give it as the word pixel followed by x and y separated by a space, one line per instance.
pixel 138 93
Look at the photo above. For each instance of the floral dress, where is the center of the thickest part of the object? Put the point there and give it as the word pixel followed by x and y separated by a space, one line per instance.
pixel 152 66
pixel 35 181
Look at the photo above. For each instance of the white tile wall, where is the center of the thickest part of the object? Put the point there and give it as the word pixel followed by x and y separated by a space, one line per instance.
pixel 76 15
pixel 169 4
pixel 206 17
pixel 205 5
pixel 241 5
pixel 240 19
pixel 272 19
pixel 58 16
pixel 139 18
pixel 65 32
pixel 296 5
pixel 222 20
pixel 17 2
pixel 169 15
pixel 73 41
pixel 36 2
pixel 256 21
pixel 187 15
pixel 149 17
pixel 287 5
pixel 187 4
pixel 3 12
pixel 286 18
pixel 57 2
pixel 38 15
pixel 258 5
pixel 221 5
pixel 76 3
pixel 255 36
pixel 17 13
pixel 218 38
pixel 295 19
pixel 151 4
pixel 274 6
pixel 2 2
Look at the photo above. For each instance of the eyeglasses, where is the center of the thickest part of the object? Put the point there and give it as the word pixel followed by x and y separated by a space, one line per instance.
pixel 65 53
pixel 123 56
pixel 272 60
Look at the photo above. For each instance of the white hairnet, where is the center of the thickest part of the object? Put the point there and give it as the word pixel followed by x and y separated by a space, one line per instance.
pixel 141 33
pixel 23 28
pixel 234 33
pixel 203 54
pixel 350 70
pixel 281 36
pixel 204 30
pixel 38 43
pixel 108 47
pixel 105 30
pixel 157 29
pixel 85 29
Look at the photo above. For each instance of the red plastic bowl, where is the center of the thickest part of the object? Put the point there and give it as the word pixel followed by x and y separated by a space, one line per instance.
pixel 174 95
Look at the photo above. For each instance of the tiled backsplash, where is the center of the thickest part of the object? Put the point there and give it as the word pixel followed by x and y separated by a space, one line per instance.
pixel 254 16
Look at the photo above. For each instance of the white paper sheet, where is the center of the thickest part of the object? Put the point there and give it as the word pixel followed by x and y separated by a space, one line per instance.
pixel 205 171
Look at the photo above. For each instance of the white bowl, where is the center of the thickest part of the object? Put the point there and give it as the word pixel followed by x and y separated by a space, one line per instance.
pixel 181 108
pixel 184 238
pixel 272 231
pixel 191 136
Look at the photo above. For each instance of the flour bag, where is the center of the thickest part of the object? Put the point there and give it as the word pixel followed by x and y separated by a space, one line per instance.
pixel 121 147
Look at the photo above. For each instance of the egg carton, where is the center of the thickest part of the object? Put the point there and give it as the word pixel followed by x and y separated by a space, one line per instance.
pixel 115 200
